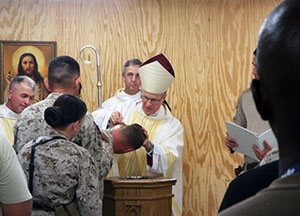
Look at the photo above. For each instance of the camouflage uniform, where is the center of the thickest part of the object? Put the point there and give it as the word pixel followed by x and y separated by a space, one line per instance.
pixel 63 172
pixel 31 124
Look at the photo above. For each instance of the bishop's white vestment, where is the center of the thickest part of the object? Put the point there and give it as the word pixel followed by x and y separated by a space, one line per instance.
pixel 166 134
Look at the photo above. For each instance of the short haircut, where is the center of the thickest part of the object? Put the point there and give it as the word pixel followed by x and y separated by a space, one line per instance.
pixel 19 79
pixel 134 135
pixel 62 71
pixel 130 63
pixel 65 110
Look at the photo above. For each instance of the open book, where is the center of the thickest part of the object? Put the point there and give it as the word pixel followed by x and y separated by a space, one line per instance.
pixel 246 138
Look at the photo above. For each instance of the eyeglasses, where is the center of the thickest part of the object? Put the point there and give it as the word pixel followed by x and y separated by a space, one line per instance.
pixel 152 100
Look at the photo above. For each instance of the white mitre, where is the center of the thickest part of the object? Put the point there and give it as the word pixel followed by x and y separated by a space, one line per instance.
pixel 156 74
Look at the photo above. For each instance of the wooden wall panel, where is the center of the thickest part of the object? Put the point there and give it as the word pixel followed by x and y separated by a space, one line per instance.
pixel 209 43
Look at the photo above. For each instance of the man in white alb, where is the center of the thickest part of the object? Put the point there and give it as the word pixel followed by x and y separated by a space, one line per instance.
pixel 20 95
pixel 132 81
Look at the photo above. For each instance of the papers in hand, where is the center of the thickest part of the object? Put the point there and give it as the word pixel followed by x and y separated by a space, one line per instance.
pixel 246 138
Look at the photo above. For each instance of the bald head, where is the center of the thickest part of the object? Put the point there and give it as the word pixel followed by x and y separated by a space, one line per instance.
pixel 277 93
pixel 278 58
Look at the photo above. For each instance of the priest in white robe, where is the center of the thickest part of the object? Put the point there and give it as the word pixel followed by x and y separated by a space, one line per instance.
pixel 132 82
pixel 162 155
pixel 20 95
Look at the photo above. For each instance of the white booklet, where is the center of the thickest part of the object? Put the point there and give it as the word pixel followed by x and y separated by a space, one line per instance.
pixel 246 138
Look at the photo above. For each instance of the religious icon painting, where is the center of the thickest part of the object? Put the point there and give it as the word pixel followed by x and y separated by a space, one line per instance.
pixel 29 58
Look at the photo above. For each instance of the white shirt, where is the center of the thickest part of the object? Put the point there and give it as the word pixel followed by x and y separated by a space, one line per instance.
pixel 5 112
pixel 13 184
pixel 7 121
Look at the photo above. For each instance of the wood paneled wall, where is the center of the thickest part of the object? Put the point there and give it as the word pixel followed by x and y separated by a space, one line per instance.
pixel 209 43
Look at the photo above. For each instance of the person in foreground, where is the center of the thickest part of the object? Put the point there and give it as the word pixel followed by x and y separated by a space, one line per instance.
pixel 249 183
pixel 64 78
pixel 162 151
pixel 15 197
pixel 277 95
pixel 64 175
pixel 20 95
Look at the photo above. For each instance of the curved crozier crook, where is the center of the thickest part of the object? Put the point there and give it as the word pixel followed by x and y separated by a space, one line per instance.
pixel 98 70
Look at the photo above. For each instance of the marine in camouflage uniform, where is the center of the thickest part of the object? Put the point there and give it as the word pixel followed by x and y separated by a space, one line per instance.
pixel 64 172
pixel 31 125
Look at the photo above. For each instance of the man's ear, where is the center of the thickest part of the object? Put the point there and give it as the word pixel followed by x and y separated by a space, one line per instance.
pixel 261 101
pixel 77 87
pixel 46 82
pixel 123 77
pixel 9 93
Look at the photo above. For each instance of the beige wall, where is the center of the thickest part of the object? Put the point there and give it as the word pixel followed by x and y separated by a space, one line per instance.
pixel 209 43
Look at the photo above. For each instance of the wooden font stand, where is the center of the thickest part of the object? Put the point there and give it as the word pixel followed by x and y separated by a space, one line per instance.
pixel 138 197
